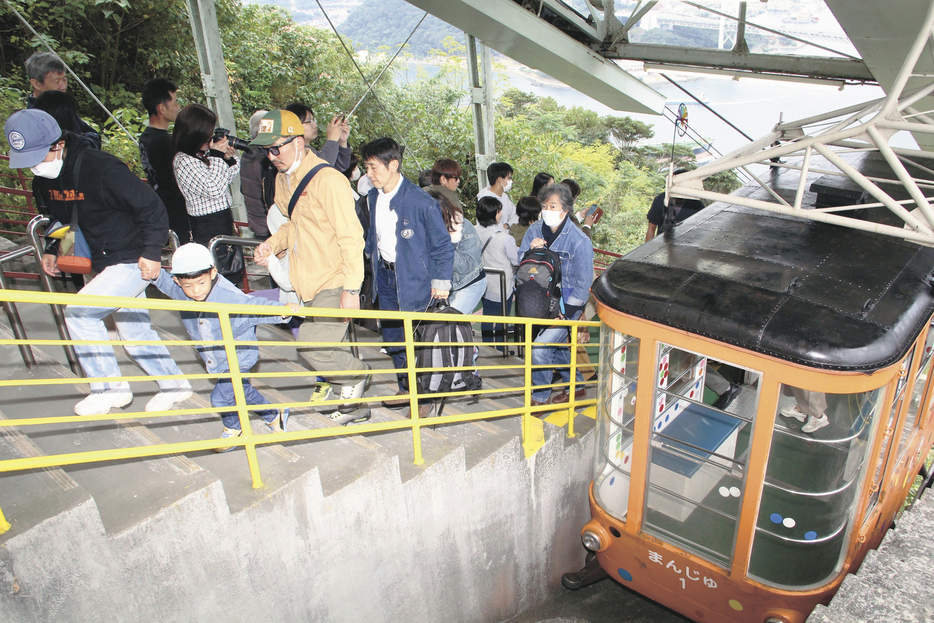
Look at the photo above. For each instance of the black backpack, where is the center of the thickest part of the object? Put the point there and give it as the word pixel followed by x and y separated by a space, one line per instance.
pixel 437 356
pixel 538 284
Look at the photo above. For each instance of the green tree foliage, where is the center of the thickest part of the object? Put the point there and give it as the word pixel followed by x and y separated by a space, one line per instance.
pixel 116 45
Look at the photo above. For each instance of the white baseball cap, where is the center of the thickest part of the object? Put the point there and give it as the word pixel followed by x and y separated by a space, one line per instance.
pixel 191 258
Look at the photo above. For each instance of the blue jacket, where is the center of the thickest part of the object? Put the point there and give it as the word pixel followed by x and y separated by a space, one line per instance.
pixel 576 252
pixel 424 251
pixel 207 326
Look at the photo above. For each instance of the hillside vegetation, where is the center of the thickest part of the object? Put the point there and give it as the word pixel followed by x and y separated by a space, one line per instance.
pixel 116 46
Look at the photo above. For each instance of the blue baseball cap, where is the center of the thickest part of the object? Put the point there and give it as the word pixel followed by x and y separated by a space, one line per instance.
pixel 30 133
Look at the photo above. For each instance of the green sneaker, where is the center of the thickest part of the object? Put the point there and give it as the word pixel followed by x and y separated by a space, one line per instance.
pixel 322 392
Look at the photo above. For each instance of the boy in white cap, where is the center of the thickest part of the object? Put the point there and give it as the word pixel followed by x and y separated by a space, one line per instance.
pixel 195 278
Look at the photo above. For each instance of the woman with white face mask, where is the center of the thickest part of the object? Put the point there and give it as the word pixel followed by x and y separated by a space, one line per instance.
pixel 559 233
pixel 203 175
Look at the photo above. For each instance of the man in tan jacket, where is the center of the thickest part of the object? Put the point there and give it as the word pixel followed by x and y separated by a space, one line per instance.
pixel 324 240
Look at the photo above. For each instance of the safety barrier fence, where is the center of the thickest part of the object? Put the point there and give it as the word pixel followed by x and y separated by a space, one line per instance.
pixel 520 382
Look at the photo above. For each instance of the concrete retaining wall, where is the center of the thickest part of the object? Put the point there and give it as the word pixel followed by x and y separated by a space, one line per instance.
pixel 448 545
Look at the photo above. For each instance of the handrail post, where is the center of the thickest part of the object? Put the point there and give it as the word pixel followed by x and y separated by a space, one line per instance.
pixel 527 370
pixel 572 391
pixel 46 281
pixel 413 390
pixel 243 411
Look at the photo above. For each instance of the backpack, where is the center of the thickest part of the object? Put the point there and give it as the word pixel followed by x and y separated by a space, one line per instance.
pixel 462 355
pixel 538 285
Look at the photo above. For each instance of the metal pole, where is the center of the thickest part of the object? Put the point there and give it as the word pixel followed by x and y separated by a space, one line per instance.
pixel 46 281
pixel 214 78
pixel 482 107
pixel 12 313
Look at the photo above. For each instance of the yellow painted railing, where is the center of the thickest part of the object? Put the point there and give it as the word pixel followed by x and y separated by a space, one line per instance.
pixel 532 431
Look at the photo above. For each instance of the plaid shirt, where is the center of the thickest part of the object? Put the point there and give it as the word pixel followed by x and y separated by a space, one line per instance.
pixel 206 188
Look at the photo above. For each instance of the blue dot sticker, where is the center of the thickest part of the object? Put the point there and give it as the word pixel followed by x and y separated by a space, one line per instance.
pixel 810 535
pixel 776 518
pixel 612 480
pixel 625 575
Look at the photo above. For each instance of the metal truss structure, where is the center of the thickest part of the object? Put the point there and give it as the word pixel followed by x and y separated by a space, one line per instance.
pixel 863 128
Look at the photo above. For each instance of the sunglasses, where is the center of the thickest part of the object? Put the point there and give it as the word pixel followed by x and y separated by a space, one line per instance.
pixel 274 149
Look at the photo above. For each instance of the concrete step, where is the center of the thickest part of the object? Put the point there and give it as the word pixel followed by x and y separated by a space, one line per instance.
pixel 338 461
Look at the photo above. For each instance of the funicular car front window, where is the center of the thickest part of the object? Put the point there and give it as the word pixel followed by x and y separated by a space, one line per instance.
pixel 699 448
pixel 819 453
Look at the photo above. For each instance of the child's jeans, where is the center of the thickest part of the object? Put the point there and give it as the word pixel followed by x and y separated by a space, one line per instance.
pixel 223 396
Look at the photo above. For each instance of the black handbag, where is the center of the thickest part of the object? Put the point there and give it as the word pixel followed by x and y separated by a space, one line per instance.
pixel 229 261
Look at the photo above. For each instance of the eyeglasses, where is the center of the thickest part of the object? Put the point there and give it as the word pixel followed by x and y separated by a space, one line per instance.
pixel 274 149
pixel 453 177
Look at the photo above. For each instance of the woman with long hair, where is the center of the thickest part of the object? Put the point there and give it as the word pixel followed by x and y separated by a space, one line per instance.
pixel 469 282
pixel 204 170
pixel 541 180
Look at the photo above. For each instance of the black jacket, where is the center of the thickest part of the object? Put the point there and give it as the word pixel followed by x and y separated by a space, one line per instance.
pixel 258 185
pixel 121 217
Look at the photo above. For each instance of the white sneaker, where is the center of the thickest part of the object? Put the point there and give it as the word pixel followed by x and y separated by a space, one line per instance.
pixel 794 412
pixel 816 423
pixel 100 403
pixel 166 400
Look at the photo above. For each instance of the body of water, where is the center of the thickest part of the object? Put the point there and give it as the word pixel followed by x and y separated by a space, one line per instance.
pixel 754 106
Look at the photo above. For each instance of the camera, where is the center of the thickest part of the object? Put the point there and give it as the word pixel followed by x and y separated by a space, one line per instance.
pixel 236 143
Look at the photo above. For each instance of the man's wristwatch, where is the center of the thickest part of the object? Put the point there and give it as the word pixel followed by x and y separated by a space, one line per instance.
pixel 357 291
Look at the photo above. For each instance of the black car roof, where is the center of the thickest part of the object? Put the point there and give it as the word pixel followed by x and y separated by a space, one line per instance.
pixel 821 295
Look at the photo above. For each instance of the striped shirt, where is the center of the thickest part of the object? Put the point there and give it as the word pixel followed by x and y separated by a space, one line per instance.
pixel 206 188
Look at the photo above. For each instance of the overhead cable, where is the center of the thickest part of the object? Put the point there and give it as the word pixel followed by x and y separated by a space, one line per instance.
pixel 368 84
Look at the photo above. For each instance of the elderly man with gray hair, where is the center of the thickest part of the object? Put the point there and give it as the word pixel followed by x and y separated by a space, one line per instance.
pixel 557 232
pixel 257 182
pixel 46 72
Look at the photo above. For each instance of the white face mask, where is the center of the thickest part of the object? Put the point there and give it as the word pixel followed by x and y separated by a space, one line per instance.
pixel 507 186
pixel 355 175
pixel 552 218
pixel 295 164
pixel 49 170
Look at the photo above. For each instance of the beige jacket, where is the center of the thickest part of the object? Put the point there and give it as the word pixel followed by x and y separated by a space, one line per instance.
pixel 324 236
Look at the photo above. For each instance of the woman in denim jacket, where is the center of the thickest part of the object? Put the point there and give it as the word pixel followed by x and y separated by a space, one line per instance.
pixel 557 232
pixel 469 282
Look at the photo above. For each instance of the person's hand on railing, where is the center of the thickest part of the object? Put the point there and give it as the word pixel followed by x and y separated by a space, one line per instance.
pixel 295 307
pixel 50 265
pixel 149 269
pixel 262 254
pixel 583 335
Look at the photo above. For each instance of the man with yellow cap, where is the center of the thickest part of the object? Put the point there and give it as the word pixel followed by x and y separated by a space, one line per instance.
pixel 324 239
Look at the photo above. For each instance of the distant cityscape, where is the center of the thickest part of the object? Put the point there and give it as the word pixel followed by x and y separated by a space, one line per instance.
pixel 806 19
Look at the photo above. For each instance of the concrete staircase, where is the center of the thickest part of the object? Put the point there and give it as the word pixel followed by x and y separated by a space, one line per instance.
pixel 345 529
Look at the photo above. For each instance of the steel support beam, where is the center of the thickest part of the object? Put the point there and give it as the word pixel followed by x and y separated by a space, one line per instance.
pixel 805 66
pixel 207 36
pixel 481 91
pixel 518 33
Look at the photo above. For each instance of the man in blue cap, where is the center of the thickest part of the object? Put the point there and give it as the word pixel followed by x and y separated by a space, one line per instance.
pixel 125 225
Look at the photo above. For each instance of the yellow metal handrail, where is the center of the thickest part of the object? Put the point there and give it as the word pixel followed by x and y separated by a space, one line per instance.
pixel 248 440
